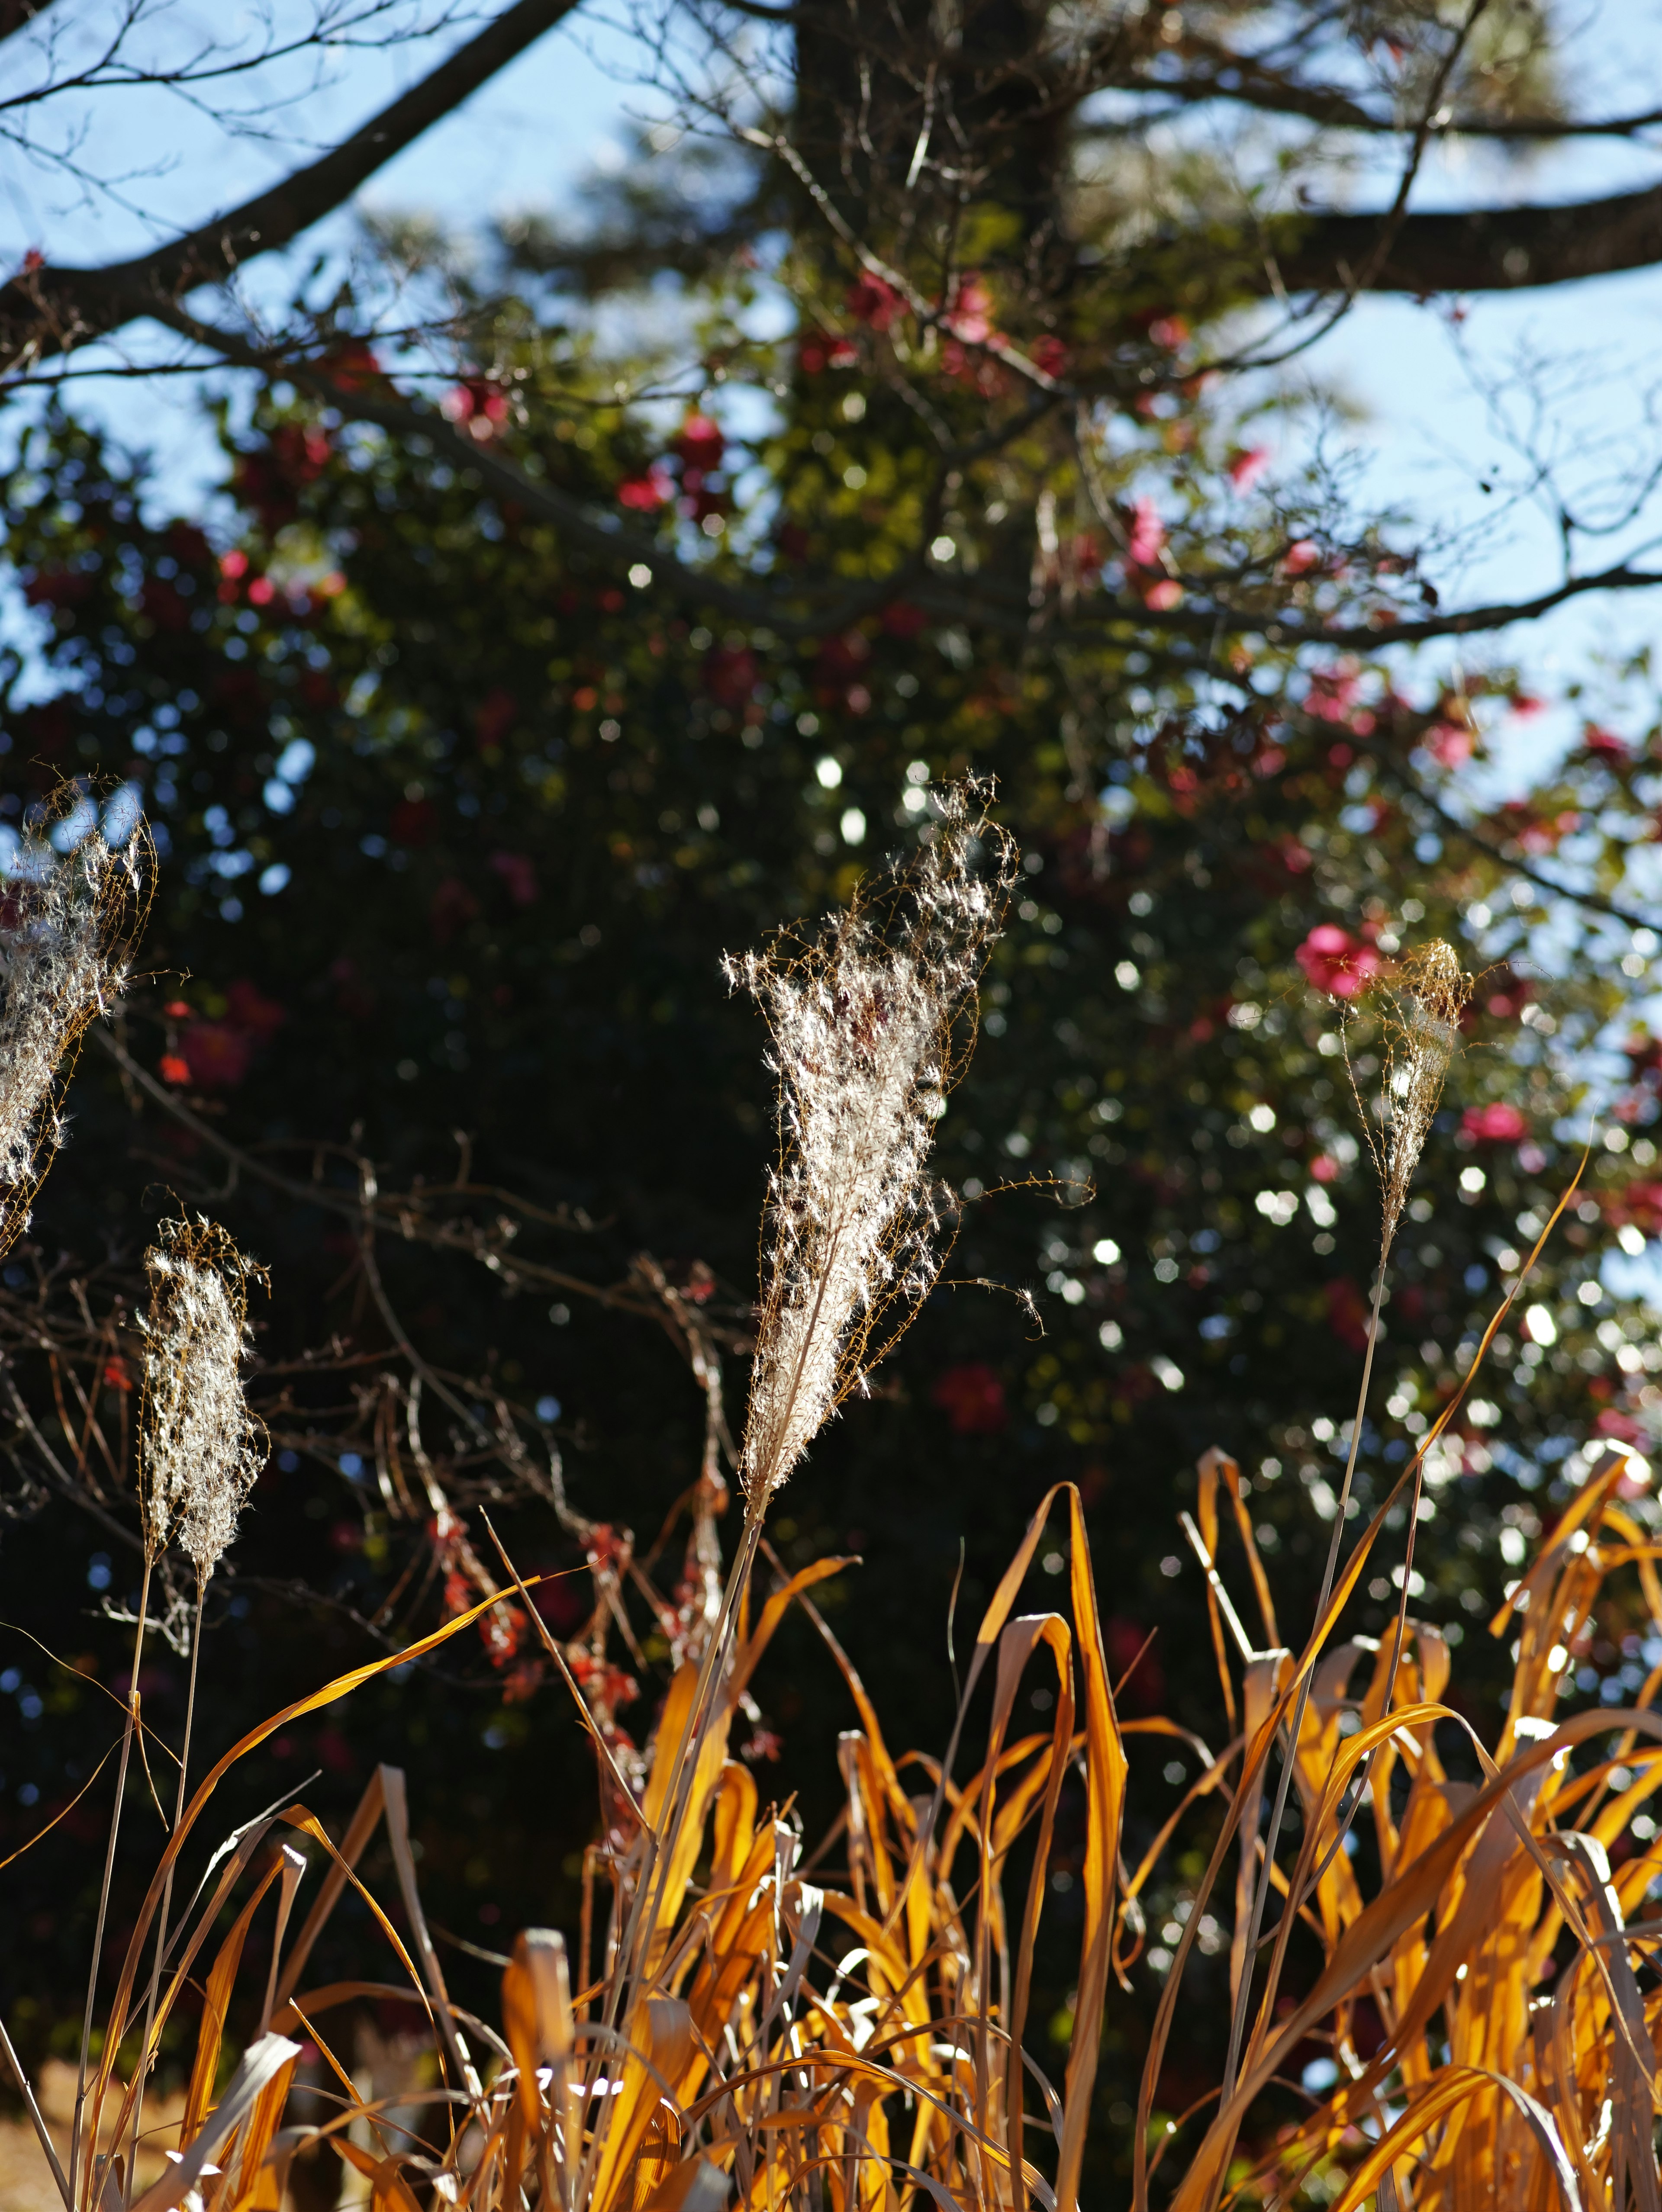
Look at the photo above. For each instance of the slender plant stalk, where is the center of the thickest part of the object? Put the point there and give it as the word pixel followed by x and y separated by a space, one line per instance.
pixel 1262 1887
pixel 109 1870
pixel 144 2057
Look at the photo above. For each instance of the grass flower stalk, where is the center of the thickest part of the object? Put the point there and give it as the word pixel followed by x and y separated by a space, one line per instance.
pixel 202 1452
pixel 1419 1011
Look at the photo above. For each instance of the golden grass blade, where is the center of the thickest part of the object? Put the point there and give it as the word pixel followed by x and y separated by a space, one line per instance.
pixel 261 2063
pixel 659 2047
pixel 345 1857
pixel 1454 2086
pixel 331 1694
pixel 1105 1784
pixel 216 2000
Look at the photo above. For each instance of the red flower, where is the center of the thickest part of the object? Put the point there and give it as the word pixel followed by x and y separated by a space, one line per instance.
pixel 876 304
pixel 1494 1124
pixel 730 675
pixel 413 821
pixel 454 906
pixel 517 872
pixel 1148 534
pixel 247 1008
pixel 1049 355
pixel 1164 595
pixel 1347 1313
pixel 700 443
pixel 1245 468
pixel 352 366
pixel 479 404
pixel 174 1070
pixel 1448 743
pixel 116 1375
pixel 647 493
pixel 1334 961
pixel 972 1399
pixel 494 717
pixel 164 606
pixel 1300 556
pixel 971 315
pixel 901 619
pixel 1603 743
pixel 216 1054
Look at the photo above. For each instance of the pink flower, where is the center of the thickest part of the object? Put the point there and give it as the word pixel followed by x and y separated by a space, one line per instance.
pixel 700 443
pixel 518 875
pixel 647 493
pixel 1163 595
pixel 972 1399
pixel 1324 1168
pixel 1448 743
pixel 217 1056
pixel 872 301
pixel 1300 556
pixel 971 317
pixel 1245 468
pixel 1334 961
pixel 1148 534
pixel 1604 743
pixel 1496 1124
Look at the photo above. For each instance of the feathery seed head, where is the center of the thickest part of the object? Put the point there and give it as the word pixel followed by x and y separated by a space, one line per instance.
pixel 865 1023
pixel 1420 1009
pixel 202 1447
pixel 66 931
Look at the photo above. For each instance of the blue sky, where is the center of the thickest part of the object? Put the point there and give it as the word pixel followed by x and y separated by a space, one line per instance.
pixel 1423 434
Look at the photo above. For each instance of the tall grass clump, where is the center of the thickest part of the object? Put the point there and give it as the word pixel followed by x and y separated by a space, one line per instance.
pixel 747 2023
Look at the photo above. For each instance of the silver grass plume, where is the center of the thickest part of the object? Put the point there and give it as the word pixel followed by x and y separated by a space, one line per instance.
pixel 1420 1011
pixel 864 1020
pixel 202 1447
pixel 66 931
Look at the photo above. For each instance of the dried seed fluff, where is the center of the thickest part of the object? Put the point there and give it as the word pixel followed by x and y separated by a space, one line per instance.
pixel 862 1023
pixel 202 1447
pixel 63 961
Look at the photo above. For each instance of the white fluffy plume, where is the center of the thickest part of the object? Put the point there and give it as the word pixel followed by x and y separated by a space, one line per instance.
pixel 65 930
pixel 202 1447
pixel 863 1024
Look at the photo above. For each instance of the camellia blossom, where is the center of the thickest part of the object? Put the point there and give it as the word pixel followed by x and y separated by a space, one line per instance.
pixel 1494 1124
pixel 972 1399
pixel 1334 961
pixel 1245 468
pixel 1148 534
pixel 1603 743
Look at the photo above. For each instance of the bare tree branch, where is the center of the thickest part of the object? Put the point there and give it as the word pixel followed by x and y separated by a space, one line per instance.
pixel 46 310
pixel 1473 250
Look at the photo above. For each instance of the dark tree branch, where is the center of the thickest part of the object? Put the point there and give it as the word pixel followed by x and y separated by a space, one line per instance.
pixel 17 14
pixel 48 310
pixel 1474 249
pixel 1241 82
